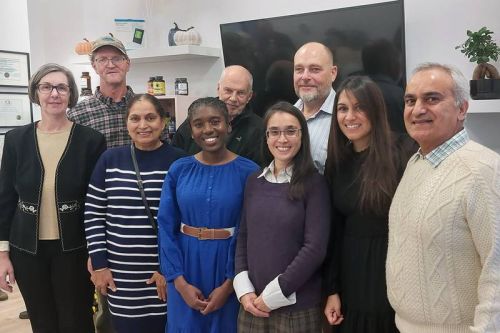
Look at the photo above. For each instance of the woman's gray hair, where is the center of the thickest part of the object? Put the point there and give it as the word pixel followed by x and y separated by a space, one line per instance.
pixel 52 68
pixel 460 83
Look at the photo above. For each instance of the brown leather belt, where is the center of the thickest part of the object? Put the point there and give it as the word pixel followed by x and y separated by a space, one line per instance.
pixel 205 233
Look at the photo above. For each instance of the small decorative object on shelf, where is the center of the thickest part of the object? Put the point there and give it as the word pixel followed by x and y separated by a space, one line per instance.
pixel 188 36
pixel 84 47
pixel 480 48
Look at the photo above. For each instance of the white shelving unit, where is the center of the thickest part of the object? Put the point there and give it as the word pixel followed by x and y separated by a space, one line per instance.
pixel 168 54
pixel 174 53
pixel 482 122
pixel 484 106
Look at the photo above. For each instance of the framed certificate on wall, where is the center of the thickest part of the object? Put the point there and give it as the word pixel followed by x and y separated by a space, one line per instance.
pixel 15 109
pixel 14 69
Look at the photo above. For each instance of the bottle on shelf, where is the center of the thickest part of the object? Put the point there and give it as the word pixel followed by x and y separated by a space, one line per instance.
pixel 85 84
pixel 159 86
pixel 181 86
pixel 150 85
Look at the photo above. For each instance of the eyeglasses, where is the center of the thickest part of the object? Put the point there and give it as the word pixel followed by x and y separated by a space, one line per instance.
pixel 288 133
pixel 117 60
pixel 46 88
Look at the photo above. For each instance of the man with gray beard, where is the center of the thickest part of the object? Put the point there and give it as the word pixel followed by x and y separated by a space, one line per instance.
pixel 313 75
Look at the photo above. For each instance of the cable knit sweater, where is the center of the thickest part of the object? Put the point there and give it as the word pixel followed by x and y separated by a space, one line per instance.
pixel 443 261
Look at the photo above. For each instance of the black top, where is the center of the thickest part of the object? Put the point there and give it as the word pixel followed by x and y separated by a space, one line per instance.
pixel 362 239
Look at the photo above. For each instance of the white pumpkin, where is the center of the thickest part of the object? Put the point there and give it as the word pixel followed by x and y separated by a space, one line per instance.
pixel 187 37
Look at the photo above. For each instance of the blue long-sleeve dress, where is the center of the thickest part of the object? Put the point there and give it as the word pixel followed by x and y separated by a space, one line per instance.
pixel 209 196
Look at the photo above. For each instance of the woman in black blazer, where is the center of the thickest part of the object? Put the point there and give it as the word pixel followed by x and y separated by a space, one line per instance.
pixel 44 175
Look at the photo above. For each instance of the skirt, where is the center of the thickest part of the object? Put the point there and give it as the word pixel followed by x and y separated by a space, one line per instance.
pixel 301 321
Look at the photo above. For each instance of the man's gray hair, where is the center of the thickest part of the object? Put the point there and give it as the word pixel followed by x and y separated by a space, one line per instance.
pixel 460 83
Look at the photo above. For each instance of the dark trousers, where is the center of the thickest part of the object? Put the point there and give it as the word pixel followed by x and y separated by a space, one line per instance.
pixel 56 288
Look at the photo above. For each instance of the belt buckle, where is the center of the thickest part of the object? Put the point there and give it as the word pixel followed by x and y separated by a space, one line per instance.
pixel 200 230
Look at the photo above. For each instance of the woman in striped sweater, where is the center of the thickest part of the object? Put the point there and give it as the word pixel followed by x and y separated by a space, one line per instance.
pixel 121 238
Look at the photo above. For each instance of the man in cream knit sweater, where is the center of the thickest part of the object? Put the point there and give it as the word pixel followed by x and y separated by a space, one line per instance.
pixel 443 261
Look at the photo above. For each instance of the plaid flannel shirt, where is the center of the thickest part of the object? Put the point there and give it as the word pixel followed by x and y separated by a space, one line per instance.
pixel 440 153
pixel 104 115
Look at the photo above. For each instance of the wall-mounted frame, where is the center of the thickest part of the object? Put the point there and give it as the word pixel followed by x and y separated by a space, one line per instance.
pixel 14 69
pixel 15 109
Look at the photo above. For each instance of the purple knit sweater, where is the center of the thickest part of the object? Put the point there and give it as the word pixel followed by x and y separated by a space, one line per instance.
pixel 281 236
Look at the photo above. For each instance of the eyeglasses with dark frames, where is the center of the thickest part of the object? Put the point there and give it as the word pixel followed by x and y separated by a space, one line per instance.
pixel 46 88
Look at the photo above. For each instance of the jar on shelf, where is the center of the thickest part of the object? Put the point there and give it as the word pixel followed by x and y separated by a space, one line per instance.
pixel 181 86
pixel 159 86
pixel 85 84
pixel 150 85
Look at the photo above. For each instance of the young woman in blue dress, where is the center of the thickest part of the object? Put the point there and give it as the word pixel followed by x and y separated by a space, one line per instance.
pixel 199 212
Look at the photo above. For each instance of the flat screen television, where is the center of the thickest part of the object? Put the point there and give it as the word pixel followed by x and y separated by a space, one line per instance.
pixel 365 39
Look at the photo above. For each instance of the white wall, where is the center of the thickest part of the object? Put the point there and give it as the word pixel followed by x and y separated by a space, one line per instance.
pixel 14 23
pixel 14 27
pixel 433 29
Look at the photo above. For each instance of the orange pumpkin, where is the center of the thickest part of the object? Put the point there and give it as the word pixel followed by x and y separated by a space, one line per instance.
pixel 84 47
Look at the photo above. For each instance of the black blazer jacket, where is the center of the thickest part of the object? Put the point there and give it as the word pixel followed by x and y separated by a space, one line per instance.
pixel 21 180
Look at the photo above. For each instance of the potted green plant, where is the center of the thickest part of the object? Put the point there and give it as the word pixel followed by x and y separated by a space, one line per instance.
pixel 480 48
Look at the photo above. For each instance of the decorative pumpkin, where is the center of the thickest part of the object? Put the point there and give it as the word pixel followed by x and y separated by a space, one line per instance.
pixel 83 48
pixel 187 37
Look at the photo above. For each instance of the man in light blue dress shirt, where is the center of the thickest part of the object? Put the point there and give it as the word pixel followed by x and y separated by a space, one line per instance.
pixel 313 75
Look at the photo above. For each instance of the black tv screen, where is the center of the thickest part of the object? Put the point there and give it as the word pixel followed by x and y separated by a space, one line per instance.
pixel 364 40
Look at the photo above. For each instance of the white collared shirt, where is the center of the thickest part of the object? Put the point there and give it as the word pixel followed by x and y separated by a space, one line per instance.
pixel 319 130
pixel 284 176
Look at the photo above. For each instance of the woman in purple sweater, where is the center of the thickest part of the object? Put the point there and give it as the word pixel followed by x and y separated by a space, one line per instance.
pixel 284 232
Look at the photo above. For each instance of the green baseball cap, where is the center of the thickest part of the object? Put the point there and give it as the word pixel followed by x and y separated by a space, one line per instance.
pixel 108 40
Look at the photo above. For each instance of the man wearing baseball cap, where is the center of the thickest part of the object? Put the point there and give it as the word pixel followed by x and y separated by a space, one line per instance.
pixel 104 111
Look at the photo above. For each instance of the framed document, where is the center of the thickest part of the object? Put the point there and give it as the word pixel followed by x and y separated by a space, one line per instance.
pixel 15 109
pixel 14 69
